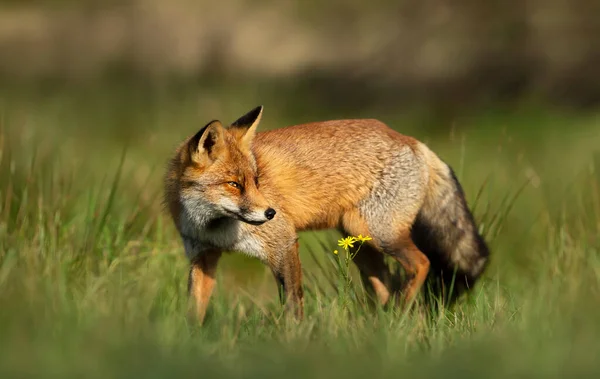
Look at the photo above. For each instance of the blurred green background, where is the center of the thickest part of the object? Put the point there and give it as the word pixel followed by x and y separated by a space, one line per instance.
pixel 95 95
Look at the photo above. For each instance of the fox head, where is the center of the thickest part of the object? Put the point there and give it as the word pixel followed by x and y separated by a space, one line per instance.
pixel 218 175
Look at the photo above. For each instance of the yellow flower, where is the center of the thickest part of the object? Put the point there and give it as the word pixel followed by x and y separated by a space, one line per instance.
pixel 360 238
pixel 347 242
pixel 335 252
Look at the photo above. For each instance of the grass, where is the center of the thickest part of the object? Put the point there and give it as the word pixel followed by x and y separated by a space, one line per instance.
pixel 93 276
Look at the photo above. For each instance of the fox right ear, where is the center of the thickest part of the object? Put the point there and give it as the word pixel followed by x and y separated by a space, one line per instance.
pixel 207 143
pixel 245 127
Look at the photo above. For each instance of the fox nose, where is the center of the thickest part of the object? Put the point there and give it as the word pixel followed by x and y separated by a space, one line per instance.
pixel 270 213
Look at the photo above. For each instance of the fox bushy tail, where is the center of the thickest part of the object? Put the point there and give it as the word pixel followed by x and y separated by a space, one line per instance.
pixel 446 232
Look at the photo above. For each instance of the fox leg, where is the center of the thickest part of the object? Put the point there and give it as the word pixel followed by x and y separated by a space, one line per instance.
pixel 288 276
pixel 370 262
pixel 415 263
pixel 201 280
pixel 390 211
pixel 374 272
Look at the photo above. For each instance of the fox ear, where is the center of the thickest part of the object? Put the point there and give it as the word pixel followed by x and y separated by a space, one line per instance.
pixel 245 126
pixel 207 143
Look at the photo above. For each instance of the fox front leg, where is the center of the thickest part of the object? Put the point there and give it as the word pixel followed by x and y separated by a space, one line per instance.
pixel 288 276
pixel 201 281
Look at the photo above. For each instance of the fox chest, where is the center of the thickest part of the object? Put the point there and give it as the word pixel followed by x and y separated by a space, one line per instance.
pixel 226 235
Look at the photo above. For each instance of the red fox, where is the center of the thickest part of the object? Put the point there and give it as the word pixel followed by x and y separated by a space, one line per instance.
pixel 233 189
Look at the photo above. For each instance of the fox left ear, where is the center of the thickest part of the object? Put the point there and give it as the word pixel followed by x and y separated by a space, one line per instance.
pixel 208 143
pixel 246 125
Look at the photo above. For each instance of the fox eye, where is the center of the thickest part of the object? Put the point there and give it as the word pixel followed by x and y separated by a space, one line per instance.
pixel 235 185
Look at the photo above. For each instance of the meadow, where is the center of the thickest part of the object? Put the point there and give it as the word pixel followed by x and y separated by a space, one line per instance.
pixel 93 276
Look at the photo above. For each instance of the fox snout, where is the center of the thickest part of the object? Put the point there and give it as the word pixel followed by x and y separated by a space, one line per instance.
pixel 257 217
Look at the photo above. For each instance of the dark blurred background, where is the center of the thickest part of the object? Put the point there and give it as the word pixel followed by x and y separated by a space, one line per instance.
pixel 445 54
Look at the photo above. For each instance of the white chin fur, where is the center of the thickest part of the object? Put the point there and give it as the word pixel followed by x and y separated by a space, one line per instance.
pixel 256 217
pixel 229 206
